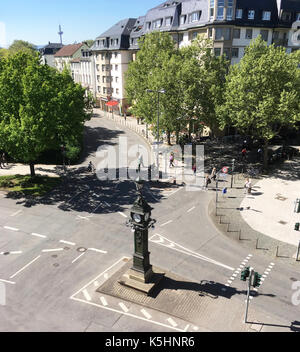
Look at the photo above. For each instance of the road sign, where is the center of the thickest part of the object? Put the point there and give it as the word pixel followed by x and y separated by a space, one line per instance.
pixel 225 169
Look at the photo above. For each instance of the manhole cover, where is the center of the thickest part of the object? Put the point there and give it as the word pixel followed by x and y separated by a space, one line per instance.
pixel 81 249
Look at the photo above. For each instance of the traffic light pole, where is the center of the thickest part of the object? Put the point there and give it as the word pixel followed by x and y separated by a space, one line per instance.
pixel 248 293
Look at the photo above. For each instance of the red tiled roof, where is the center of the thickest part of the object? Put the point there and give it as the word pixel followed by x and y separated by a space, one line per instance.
pixel 68 50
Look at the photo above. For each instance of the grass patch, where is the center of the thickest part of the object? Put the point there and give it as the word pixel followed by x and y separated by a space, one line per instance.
pixel 36 186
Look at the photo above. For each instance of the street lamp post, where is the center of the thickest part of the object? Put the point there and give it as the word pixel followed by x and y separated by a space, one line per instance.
pixel 161 91
pixel 232 170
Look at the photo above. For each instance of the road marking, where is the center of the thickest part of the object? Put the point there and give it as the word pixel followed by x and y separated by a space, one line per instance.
pixel 97 250
pixel 38 235
pixel 103 301
pixel 173 192
pixel 96 284
pixel 75 260
pixel 11 228
pixel 186 328
pixel 191 253
pixel 172 322
pixel 86 295
pixel 66 242
pixel 146 314
pixel 52 250
pixel 16 252
pixel 125 216
pixel 166 223
pixel 8 282
pixel 195 328
pixel 124 308
pixel 103 273
pixel 229 281
pixel 191 209
pixel 83 218
pixel 24 267
pixel 127 314
pixel 16 213
pixel 106 276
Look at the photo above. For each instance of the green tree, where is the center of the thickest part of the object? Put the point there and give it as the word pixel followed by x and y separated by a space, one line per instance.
pixel 40 109
pixel 21 45
pixel 262 92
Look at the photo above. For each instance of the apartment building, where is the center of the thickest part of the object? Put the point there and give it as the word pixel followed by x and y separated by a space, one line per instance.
pixel 111 60
pixel 48 52
pixel 83 71
pixel 67 53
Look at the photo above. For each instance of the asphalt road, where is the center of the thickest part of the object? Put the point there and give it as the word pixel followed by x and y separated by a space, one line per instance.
pixel 53 250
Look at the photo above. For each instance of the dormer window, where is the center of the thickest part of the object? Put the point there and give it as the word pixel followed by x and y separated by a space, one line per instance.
pixel 157 23
pixel 251 14
pixel 266 16
pixel 239 13
pixel 195 16
pixel 169 21
pixel 182 19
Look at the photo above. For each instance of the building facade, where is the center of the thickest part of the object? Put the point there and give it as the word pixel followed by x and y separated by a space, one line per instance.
pixel 67 53
pixel 48 52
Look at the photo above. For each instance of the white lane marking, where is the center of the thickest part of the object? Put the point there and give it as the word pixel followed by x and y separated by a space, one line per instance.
pixel 234 275
pixel 103 273
pixel 24 267
pixel 172 322
pixel 146 314
pixel 123 307
pixel 193 254
pixel 195 328
pixel 97 250
pixel 191 209
pixel 82 217
pixel 186 328
pixel 86 295
pixel 127 314
pixel 174 192
pixel 103 301
pixel 106 276
pixel 67 242
pixel 52 250
pixel 166 223
pixel 75 260
pixel 38 235
pixel 125 216
pixel 268 270
pixel 8 282
pixel 255 289
pixel 16 213
pixel 16 252
pixel 96 284
pixel 232 278
pixel 229 281
pixel 11 228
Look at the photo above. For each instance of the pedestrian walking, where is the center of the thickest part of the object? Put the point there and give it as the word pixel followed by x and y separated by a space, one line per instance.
pixel 213 174
pixel 207 182
pixel 247 186
pixel 172 160
pixel 244 154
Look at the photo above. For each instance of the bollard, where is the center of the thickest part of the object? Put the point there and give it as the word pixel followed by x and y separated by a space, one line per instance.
pixel 256 247
pixel 277 251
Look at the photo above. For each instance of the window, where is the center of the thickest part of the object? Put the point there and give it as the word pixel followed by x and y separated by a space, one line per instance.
pixel 194 17
pixel 227 33
pixel 102 56
pixel 226 52
pixel 103 79
pixel 212 9
pixel 116 67
pixel 235 52
pixel 116 41
pixel 117 90
pixel 116 55
pixel 217 51
pixel 239 13
pixel 266 16
pixel 218 33
pixel 194 35
pixel 275 35
pixel 229 10
pixel 157 23
pixel 169 21
pixel 210 32
pixel 236 33
pixel 220 10
pixel 264 34
pixel 182 19
pixel 97 67
pixel 286 16
pixel 104 90
pixel 248 34
pixel 148 26
pixel 117 79
pixel 251 14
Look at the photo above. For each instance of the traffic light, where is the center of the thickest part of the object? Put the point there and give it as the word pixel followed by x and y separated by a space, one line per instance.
pixel 297 226
pixel 256 280
pixel 245 273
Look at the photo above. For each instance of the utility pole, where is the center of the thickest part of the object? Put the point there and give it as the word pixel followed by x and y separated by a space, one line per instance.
pixel 248 293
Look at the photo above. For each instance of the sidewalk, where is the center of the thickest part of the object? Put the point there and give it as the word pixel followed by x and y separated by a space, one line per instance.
pixel 21 169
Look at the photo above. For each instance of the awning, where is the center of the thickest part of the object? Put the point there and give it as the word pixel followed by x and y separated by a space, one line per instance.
pixel 112 103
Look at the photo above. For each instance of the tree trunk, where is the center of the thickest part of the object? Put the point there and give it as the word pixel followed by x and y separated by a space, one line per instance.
pixel 32 171
pixel 266 145
pixel 169 137
pixel 177 137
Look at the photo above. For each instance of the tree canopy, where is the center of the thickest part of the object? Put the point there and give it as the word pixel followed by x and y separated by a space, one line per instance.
pixel 262 92
pixel 40 109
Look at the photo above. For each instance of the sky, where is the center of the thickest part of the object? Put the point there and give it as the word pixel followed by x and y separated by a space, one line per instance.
pixel 37 21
